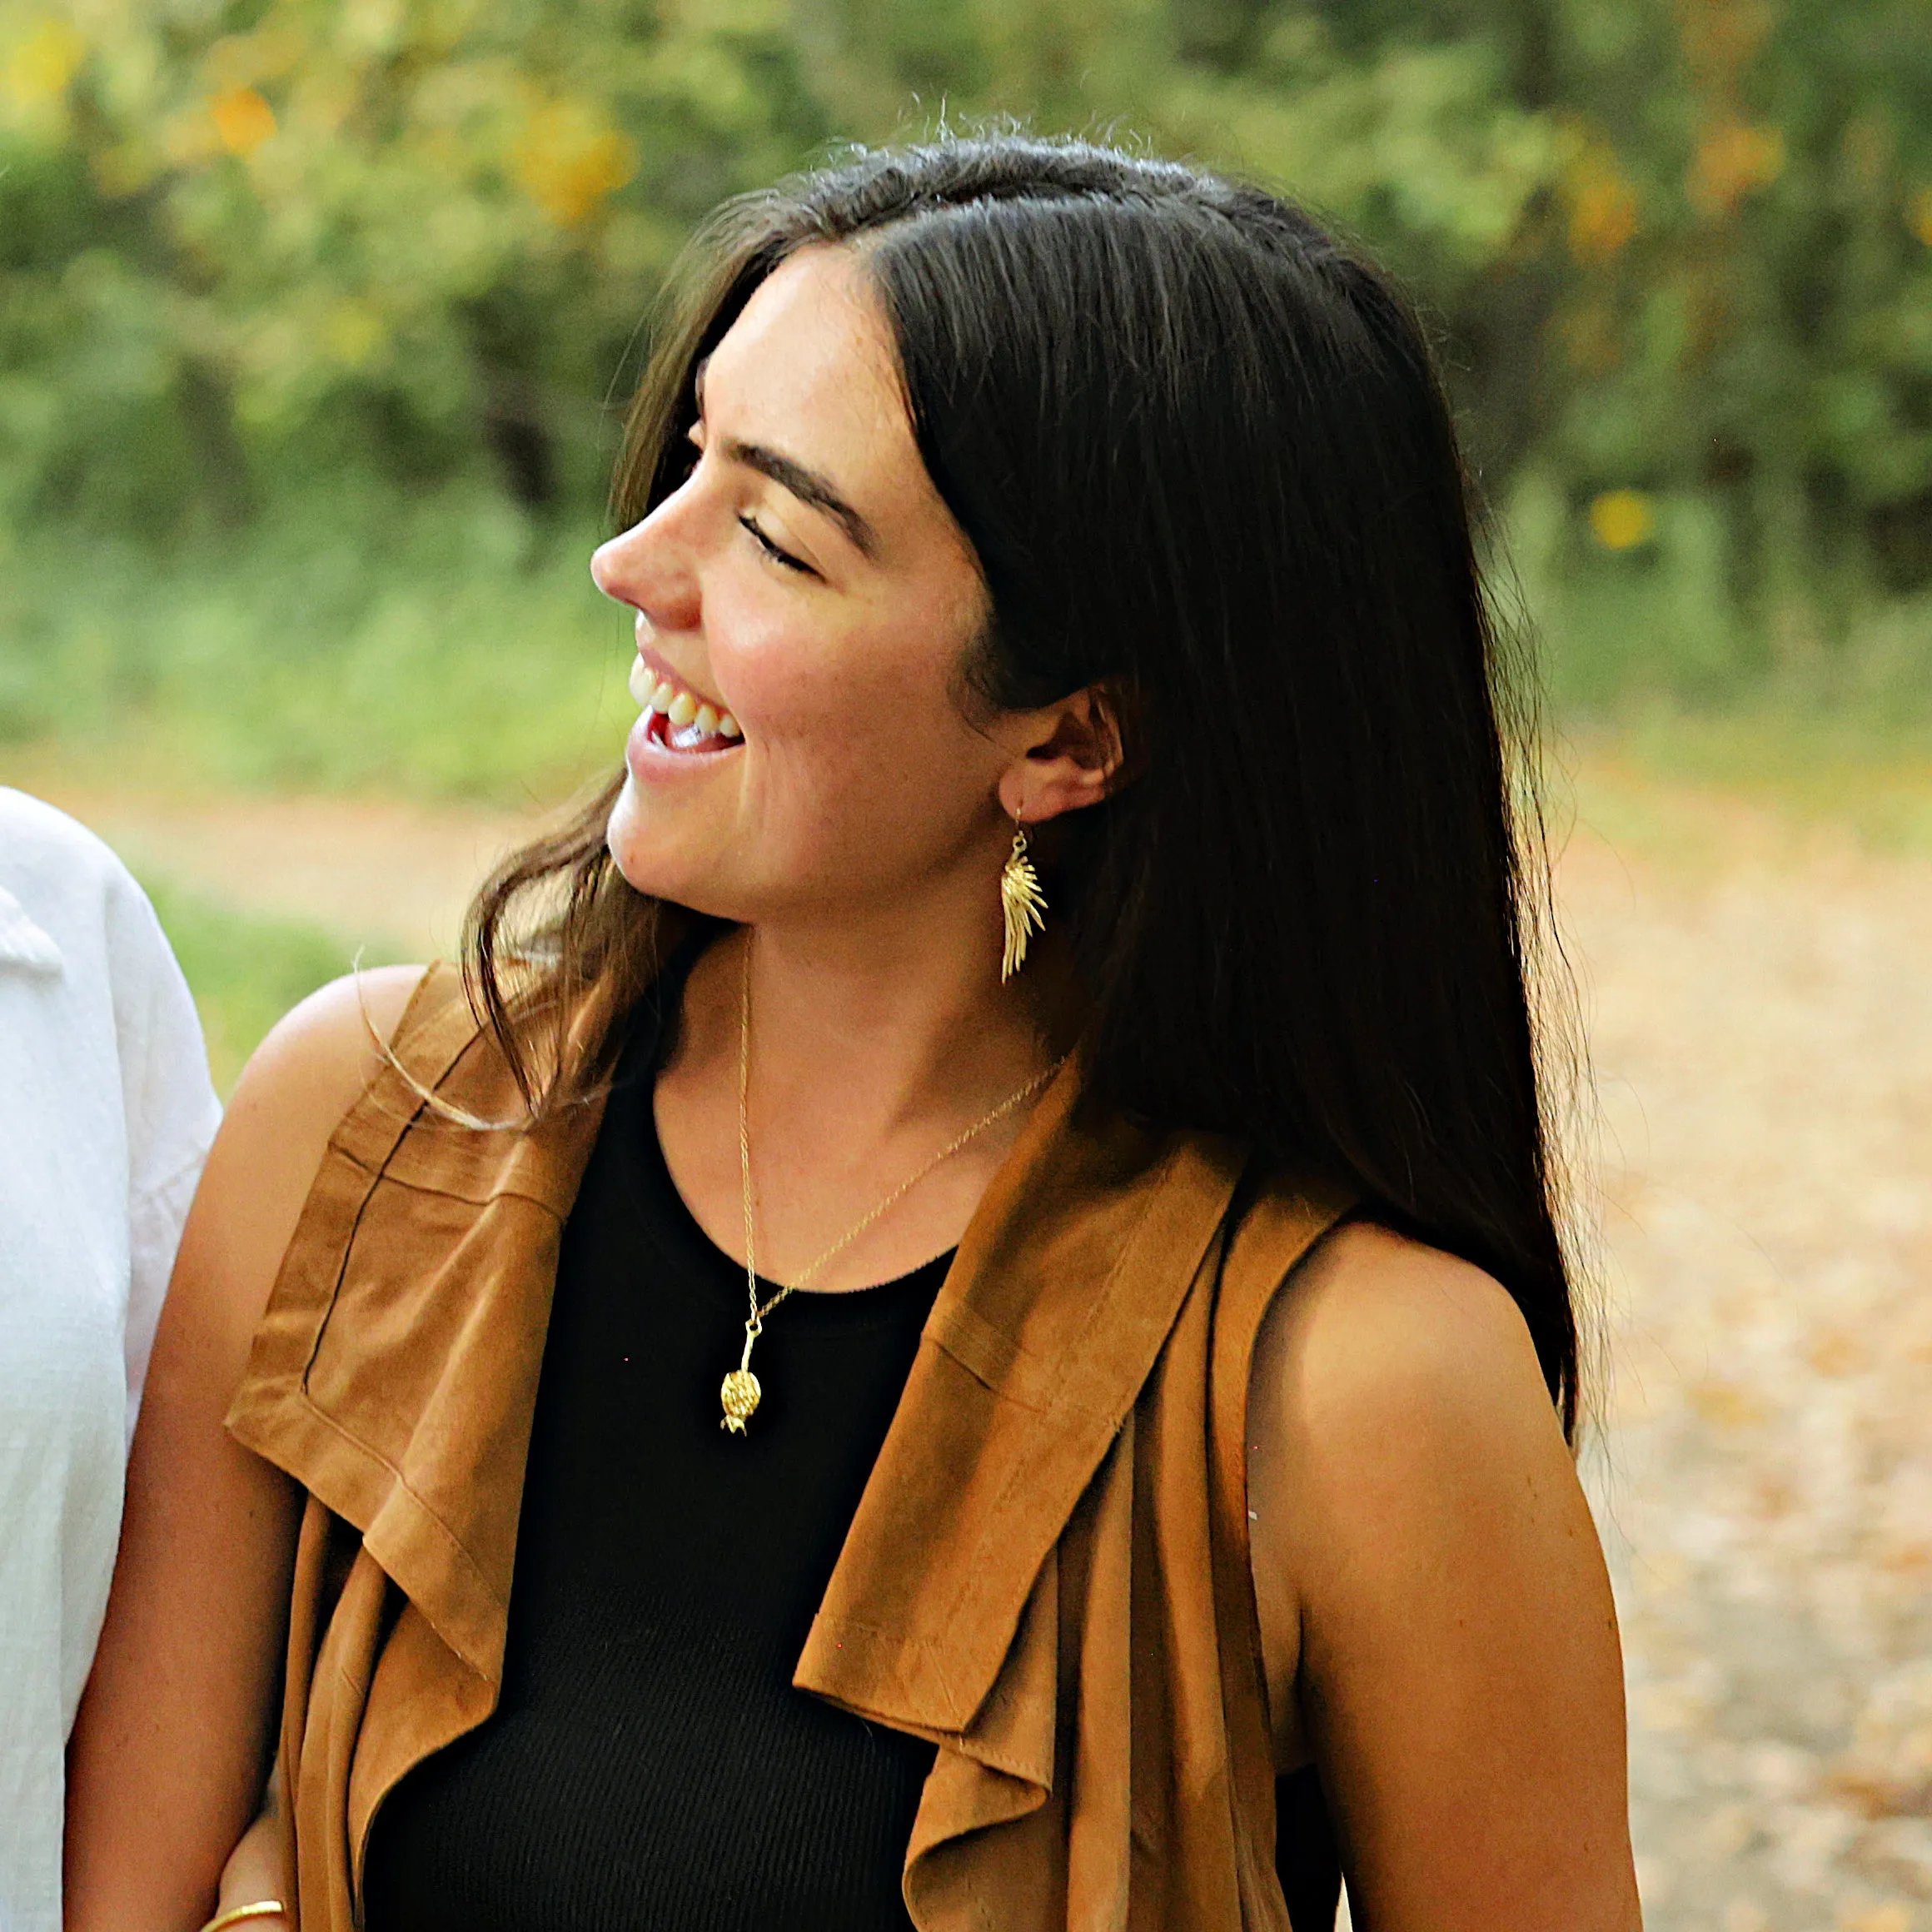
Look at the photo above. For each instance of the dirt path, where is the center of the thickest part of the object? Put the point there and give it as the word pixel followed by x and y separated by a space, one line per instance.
pixel 383 874
pixel 1761 1026
pixel 1760 1006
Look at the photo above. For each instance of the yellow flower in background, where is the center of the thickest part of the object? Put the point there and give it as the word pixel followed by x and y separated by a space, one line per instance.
pixel 242 120
pixel 568 160
pixel 43 63
pixel 1619 519
pixel 1919 216
pixel 1603 206
pixel 1732 160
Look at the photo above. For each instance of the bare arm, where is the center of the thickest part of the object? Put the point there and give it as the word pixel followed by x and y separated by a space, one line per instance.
pixel 170 1751
pixel 1437 1619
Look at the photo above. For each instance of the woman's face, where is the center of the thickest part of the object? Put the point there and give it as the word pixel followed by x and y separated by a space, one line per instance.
pixel 804 601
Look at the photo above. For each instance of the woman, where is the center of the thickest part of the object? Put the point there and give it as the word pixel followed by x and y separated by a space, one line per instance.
pixel 106 1113
pixel 1175 1397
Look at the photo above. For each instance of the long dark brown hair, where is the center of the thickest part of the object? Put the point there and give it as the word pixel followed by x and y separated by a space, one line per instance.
pixel 1204 460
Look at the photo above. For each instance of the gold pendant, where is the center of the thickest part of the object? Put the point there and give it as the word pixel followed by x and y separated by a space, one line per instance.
pixel 740 1393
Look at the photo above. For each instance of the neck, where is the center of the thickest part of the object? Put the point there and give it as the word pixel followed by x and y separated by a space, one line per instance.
pixel 873 1043
pixel 890 1020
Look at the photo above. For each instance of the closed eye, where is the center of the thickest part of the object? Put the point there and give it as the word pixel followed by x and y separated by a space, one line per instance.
pixel 784 557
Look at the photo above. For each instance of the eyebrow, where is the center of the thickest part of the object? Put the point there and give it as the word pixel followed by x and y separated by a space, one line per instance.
pixel 807 485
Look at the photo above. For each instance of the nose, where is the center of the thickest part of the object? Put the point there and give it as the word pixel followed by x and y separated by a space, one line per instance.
pixel 646 567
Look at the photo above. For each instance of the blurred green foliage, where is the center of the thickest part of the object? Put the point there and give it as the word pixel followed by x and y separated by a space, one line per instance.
pixel 352 639
pixel 315 316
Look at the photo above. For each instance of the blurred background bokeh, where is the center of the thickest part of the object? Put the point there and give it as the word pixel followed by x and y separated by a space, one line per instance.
pixel 317 321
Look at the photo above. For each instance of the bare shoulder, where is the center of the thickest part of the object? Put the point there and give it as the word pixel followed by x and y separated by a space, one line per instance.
pixel 1376 1333
pixel 320 1058
pixel 1399 1431
pixel 1436 1616
pixel 310 1070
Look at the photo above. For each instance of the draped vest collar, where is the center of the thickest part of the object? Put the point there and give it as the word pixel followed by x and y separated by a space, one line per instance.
pixel 1062 1291
pixel 394 1374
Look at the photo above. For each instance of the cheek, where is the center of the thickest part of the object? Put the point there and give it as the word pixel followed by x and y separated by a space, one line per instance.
pixel 779 671
pixel 858 731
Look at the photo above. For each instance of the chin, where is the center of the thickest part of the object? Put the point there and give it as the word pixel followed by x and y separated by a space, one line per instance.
pixel 637 855
pixel 640 855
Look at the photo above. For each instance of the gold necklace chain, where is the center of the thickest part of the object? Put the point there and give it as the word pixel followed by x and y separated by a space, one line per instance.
pixel 739 1391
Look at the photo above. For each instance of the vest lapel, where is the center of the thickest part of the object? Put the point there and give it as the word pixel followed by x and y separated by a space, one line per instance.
pixel 394 1374
pixel 1063 1292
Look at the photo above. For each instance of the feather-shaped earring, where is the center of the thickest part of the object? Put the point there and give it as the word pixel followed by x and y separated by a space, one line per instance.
pixel 1021 902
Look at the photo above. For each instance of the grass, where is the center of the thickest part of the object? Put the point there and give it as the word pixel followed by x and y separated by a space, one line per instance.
pixel 1635 777
pixel 441 647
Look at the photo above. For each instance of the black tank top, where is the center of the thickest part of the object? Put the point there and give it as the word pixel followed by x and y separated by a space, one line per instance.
pixel 649 1767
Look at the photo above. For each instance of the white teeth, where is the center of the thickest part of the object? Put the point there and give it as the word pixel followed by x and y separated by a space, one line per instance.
pixel 693 719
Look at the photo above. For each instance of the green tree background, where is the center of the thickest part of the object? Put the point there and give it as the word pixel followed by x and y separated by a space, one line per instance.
pixel 316 317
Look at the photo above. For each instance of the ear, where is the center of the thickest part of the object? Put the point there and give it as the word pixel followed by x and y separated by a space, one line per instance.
pixel 1071 755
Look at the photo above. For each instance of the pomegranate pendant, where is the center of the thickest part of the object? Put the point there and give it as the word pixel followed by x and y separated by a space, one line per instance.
pixel 740 1393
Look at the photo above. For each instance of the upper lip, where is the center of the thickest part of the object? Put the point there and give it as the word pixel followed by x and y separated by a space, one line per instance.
pixel 664 669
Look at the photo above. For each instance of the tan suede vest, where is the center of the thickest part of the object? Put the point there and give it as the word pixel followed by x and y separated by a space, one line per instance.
pixel 1047 1576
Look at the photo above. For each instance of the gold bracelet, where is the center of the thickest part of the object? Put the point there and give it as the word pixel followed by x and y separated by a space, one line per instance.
pixel 262 1909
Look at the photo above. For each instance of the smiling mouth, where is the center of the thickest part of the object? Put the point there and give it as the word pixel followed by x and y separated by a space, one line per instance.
pixel 677 719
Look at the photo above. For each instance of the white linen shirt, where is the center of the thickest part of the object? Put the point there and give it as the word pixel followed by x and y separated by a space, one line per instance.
pixel 106 1115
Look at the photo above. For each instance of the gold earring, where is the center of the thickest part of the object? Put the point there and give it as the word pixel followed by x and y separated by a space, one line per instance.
pixel 1022 903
